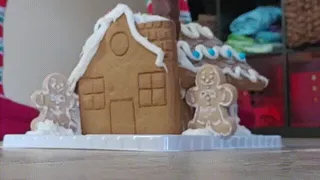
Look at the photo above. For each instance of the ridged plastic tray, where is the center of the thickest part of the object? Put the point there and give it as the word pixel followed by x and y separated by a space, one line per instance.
pixel 142 142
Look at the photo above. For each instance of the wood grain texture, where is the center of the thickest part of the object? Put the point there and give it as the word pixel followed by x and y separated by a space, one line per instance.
pixel 299 161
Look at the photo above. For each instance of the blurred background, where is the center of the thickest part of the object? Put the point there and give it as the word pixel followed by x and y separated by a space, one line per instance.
pixel 45 36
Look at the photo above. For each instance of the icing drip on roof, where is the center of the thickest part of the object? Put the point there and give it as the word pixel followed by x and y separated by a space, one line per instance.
pixel 92 44
pixel 195 30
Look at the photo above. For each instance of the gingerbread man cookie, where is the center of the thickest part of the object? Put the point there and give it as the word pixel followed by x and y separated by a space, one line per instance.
pixel 55 101
pixel 212 97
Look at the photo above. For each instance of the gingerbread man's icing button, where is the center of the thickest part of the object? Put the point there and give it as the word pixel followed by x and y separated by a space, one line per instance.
pixel 54 101
pixel 212 97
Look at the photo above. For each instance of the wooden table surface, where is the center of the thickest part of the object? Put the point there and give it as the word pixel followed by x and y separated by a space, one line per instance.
pixel 300 160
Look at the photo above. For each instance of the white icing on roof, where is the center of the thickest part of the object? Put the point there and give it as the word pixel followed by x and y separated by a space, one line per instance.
pixel 185 55
pixel 145 18
pixel 92 44
pixel 195 30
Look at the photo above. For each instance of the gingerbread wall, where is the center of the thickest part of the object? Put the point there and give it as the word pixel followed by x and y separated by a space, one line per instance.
pixel 123 92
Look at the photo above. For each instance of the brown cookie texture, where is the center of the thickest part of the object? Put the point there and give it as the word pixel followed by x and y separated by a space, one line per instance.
pixel 211 97
pixel 54 101
pixel 123 77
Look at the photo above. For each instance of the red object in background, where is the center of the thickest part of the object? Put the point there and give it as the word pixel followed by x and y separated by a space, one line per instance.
pixel 15 118
pixel 305 99
pixel 183 6
pixel 246 111
pixel 268 112
pixel 260 110
pixel 185 15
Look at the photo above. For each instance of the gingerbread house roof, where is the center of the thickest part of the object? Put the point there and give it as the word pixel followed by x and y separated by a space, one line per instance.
pixel 195 37
pixel 92 44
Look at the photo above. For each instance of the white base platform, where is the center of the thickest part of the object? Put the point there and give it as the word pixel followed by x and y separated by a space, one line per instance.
pixel 142 142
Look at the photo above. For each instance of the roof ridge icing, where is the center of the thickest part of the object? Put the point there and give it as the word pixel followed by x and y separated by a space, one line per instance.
pixel 91 46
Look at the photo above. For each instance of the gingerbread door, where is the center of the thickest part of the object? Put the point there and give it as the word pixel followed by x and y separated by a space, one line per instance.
pixel 122 116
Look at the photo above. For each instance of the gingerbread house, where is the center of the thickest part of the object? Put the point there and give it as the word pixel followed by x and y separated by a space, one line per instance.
pixel 127 77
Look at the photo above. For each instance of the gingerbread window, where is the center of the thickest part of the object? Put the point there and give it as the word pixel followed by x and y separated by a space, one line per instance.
pixel 152 89
pixel 92 95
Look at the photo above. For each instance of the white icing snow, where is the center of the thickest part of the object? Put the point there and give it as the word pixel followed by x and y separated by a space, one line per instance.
pixel 198 132
pixel 92 44
pixel 241 131
pixel 48 127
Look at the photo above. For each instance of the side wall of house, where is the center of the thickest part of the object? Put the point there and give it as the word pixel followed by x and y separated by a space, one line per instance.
pixel 163 34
